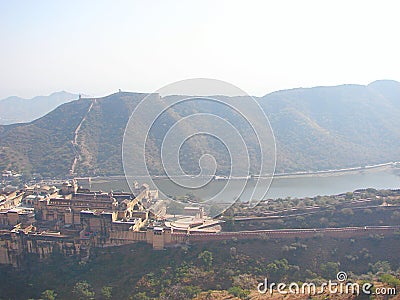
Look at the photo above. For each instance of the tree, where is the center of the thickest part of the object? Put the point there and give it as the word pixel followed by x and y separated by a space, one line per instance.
pixel 238 292
pixel 347 211
pixel 329 270
pixel 380 267
pixel 207 258
pixel 390 280
pixel 245 281
pixel 178 292
pixel 83 290
pixel 277 269
pixel 233 252
pixel 106 292
pixel 49 295
pixel 140 296
pixel 349 195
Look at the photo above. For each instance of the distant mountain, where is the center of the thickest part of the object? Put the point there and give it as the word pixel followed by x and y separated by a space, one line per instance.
pixel 19 110
pixel 333 127
pixel 315 128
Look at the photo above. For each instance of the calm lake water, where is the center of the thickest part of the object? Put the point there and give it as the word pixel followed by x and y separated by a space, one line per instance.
pixel 281 187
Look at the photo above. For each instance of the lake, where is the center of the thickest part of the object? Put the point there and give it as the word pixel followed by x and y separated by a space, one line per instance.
pixel 281 187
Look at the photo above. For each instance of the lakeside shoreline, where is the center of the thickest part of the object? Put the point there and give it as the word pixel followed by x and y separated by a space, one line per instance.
pixel 300 174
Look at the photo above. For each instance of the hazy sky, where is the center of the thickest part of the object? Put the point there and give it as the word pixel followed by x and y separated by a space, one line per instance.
pixel 97 47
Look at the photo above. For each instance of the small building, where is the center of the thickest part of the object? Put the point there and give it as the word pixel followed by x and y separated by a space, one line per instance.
pixel 197 212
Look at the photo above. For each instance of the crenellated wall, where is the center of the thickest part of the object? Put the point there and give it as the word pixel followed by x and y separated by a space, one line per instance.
pixel 15 244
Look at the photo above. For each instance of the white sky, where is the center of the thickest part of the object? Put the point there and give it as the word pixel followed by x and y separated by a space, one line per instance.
pixel 97 47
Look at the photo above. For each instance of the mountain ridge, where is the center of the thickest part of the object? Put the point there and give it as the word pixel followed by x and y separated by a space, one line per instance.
pixel 315 129
pixel 15 109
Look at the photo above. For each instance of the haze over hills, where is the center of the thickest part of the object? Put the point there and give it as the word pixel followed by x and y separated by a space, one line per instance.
pixel 315 129
pixel 19 110
pixel 334 127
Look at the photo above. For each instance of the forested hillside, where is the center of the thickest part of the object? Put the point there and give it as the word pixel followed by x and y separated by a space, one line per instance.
pixel 315 129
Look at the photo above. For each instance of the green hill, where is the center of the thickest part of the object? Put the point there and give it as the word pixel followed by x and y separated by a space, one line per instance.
pixel 315 128
pixel 42 146
pixel 333 127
